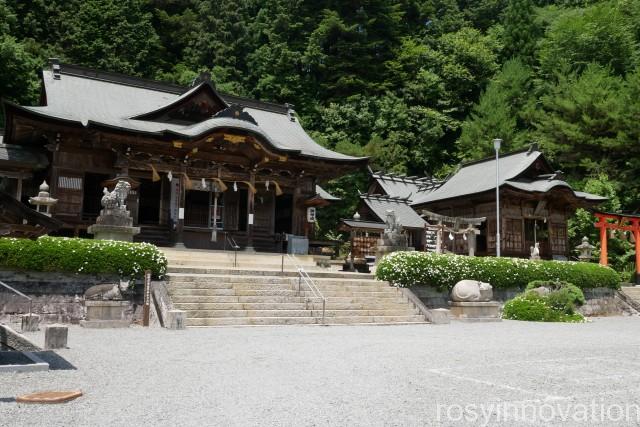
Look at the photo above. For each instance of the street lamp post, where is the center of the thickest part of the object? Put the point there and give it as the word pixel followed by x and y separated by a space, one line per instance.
pixel 496 146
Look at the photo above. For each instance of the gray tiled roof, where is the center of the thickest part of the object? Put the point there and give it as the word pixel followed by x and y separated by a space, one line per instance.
pixel 405 215
pixel 480 176
pixel 22 156
pixel 94 100
pixel 354 223
pixel 325 194
pixel 404 187
pixel 545 185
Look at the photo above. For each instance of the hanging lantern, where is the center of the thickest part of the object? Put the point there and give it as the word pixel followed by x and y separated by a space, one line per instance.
pixel 235 186
pixel 170 176
pixel 203 183
pixel 450 236
pixel 266 185
pixel 464 236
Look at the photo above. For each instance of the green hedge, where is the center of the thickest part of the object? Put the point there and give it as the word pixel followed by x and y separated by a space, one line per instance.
pixel 535 308
pixel 86 256
pixel 443 271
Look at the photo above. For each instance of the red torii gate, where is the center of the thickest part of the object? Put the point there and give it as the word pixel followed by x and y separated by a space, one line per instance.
pixel 620 222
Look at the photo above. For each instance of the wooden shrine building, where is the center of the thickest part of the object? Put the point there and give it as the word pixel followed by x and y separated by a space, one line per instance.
pixel 198 160
pixel 535 204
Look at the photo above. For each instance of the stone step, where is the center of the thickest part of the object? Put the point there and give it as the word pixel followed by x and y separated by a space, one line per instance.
pixel 233 321
pixel 236 298
pixel 380 293
pixel 263 272
pixel 241 306
pixel 284 299
pixel 235 305
pixel 184 279
pixel 273 286
pixel 354 320
pixel 248 313
pixel 300 313
pixel 243 286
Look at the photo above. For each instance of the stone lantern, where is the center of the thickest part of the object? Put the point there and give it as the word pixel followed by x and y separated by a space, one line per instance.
pixel 585 249
pixel 43 201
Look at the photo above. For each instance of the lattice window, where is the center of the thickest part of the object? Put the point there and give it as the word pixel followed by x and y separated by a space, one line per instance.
pixel 558 237
pixel 70 182
pixel 513 234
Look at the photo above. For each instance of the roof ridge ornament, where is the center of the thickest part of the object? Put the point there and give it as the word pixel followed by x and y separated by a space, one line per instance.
pixel 291 113
pixel 55 68
pixel 236 111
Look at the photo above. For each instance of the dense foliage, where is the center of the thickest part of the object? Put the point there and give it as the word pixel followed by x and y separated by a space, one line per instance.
pixel 81 256
pixel 536 308
pixel 418 85
pixel 546 301
pixel 444 271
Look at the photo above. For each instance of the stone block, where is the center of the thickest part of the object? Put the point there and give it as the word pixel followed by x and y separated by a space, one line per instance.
pixel 476 311
pixel 176 319
pixel 55 336
pixel 107 310
pixel 439 316
pixel 30 322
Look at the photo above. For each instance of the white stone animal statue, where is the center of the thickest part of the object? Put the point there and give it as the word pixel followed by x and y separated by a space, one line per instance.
pixel 471 291
pixel 107 291
pixel 535 251
pixel 109 199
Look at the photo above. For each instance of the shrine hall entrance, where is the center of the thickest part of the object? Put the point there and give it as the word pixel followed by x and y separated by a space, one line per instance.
pixel 284 214
pixel 149 202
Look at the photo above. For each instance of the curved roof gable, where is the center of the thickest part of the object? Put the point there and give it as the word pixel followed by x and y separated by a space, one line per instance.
pixel 92 98
pixel 197 104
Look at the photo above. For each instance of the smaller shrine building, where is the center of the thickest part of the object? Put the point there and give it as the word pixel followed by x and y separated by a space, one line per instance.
pixel 535 204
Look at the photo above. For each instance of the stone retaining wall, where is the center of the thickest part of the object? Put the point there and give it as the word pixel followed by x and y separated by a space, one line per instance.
pixel 600 301
pixel 57 297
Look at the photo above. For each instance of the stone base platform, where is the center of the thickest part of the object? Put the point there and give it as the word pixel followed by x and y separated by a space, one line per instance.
pixel 475 311
pixel 106 314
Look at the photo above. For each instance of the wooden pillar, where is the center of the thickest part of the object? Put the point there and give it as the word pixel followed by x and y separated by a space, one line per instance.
pixel 250 211
pixel 603 242
pixel 19 189
pixel 471 242
pixel 636 234
pixel 181 202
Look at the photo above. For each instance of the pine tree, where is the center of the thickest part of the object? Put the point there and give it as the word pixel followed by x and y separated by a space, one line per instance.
pixel 520 32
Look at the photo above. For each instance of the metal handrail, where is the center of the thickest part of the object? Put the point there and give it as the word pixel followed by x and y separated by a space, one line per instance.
pixel 303 276
pixel 234 246
pixel 19 294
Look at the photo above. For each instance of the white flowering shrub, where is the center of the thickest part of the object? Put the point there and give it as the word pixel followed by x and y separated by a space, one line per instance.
pixel 73 255
pixel 445 270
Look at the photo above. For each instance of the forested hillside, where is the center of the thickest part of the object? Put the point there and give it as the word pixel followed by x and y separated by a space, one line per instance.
pixel 418 85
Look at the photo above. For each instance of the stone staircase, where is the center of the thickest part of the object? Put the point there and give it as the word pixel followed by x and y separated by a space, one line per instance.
pixel 631 295
pixel 215 294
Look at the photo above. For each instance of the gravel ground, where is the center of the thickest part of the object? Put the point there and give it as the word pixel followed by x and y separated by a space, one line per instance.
pixel 345 375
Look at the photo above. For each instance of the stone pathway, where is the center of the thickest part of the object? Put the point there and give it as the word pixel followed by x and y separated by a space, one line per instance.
pixel 332 376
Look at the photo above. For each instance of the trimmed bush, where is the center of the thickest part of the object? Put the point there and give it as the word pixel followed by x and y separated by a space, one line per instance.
pixel 574 294
pixel 444 271
pixel 532 307
pixel 81 256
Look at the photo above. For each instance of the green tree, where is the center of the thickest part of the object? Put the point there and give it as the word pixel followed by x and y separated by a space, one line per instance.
pixel 111 34
pixel 600 34
pixel 580 122
pixel 520 30
pixel 497 114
